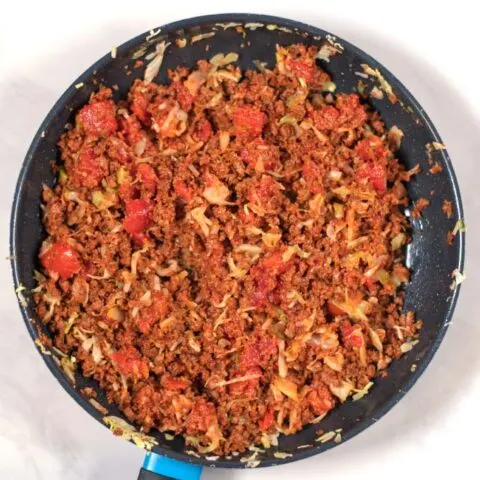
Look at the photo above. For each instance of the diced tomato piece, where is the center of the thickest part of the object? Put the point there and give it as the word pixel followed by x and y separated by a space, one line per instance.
pixel 274 263
pixel 247 388
pixel 138 215
pixel 89 169
pixel 266 421
pixel 248 121
pixel 321 399
pixel 60 259
pixel 300 68
pixel 203 130
pixel 148 176
pixel 202 415
pixel 139 107
pixel 98 119
pixel 352 335
pixel 372 152
pixel 128 361
pixel 182 190
pixel 173 383
pixel 334 309
pixel 265 275
pixel 376 175
pixel 127 192
pixel 326 118
pixel 378 178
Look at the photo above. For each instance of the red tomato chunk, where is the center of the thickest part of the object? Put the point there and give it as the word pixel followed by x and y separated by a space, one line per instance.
pixel 61 259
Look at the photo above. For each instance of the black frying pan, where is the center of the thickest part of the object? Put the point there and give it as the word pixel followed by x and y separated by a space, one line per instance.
pixel 430 258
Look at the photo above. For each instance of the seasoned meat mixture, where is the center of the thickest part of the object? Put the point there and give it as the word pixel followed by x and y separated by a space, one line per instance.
pixel 224 253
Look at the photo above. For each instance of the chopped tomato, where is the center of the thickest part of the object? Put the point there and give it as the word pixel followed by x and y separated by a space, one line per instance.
pixel 378 178
pixel 266 277
pixel 334 309
pixel 299 68
pixel 182 190
pixel 326 118
pixel 139 107
pixel 128 361
pixel 60 259
pixel 138 215
pixel 248 121
pixel 273 263
pixel 127 192
pixel 98 119
pixel 376 175
pixel 321 399
pixel 173 383
pixel 266 421
pixel 202 415
pixel 203 130
pixel 148 176
pixel 373 155
pixel 352 335
pixel 89 169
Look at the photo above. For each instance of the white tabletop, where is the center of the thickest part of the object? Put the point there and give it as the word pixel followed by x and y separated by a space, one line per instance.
pixel 44 435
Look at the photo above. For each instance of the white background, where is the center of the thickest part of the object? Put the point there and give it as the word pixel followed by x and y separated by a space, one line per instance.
pixel 434 51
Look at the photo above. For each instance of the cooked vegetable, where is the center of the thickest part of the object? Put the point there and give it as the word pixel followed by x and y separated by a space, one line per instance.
pixel 223 253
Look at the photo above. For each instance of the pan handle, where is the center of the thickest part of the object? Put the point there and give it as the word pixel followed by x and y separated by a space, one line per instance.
pixel 156 467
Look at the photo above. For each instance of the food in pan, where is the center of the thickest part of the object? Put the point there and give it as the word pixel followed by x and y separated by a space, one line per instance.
pixel 224 253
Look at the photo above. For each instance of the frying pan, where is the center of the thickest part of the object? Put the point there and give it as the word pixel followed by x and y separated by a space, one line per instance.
pixel 430 293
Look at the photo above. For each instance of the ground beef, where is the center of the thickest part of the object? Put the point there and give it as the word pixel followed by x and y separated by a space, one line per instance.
pixel 224 253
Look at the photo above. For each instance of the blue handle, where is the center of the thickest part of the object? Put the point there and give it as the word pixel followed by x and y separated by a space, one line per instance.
pixel 170 468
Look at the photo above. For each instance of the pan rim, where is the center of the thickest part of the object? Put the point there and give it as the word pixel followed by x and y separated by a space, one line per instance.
pixel 302 27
